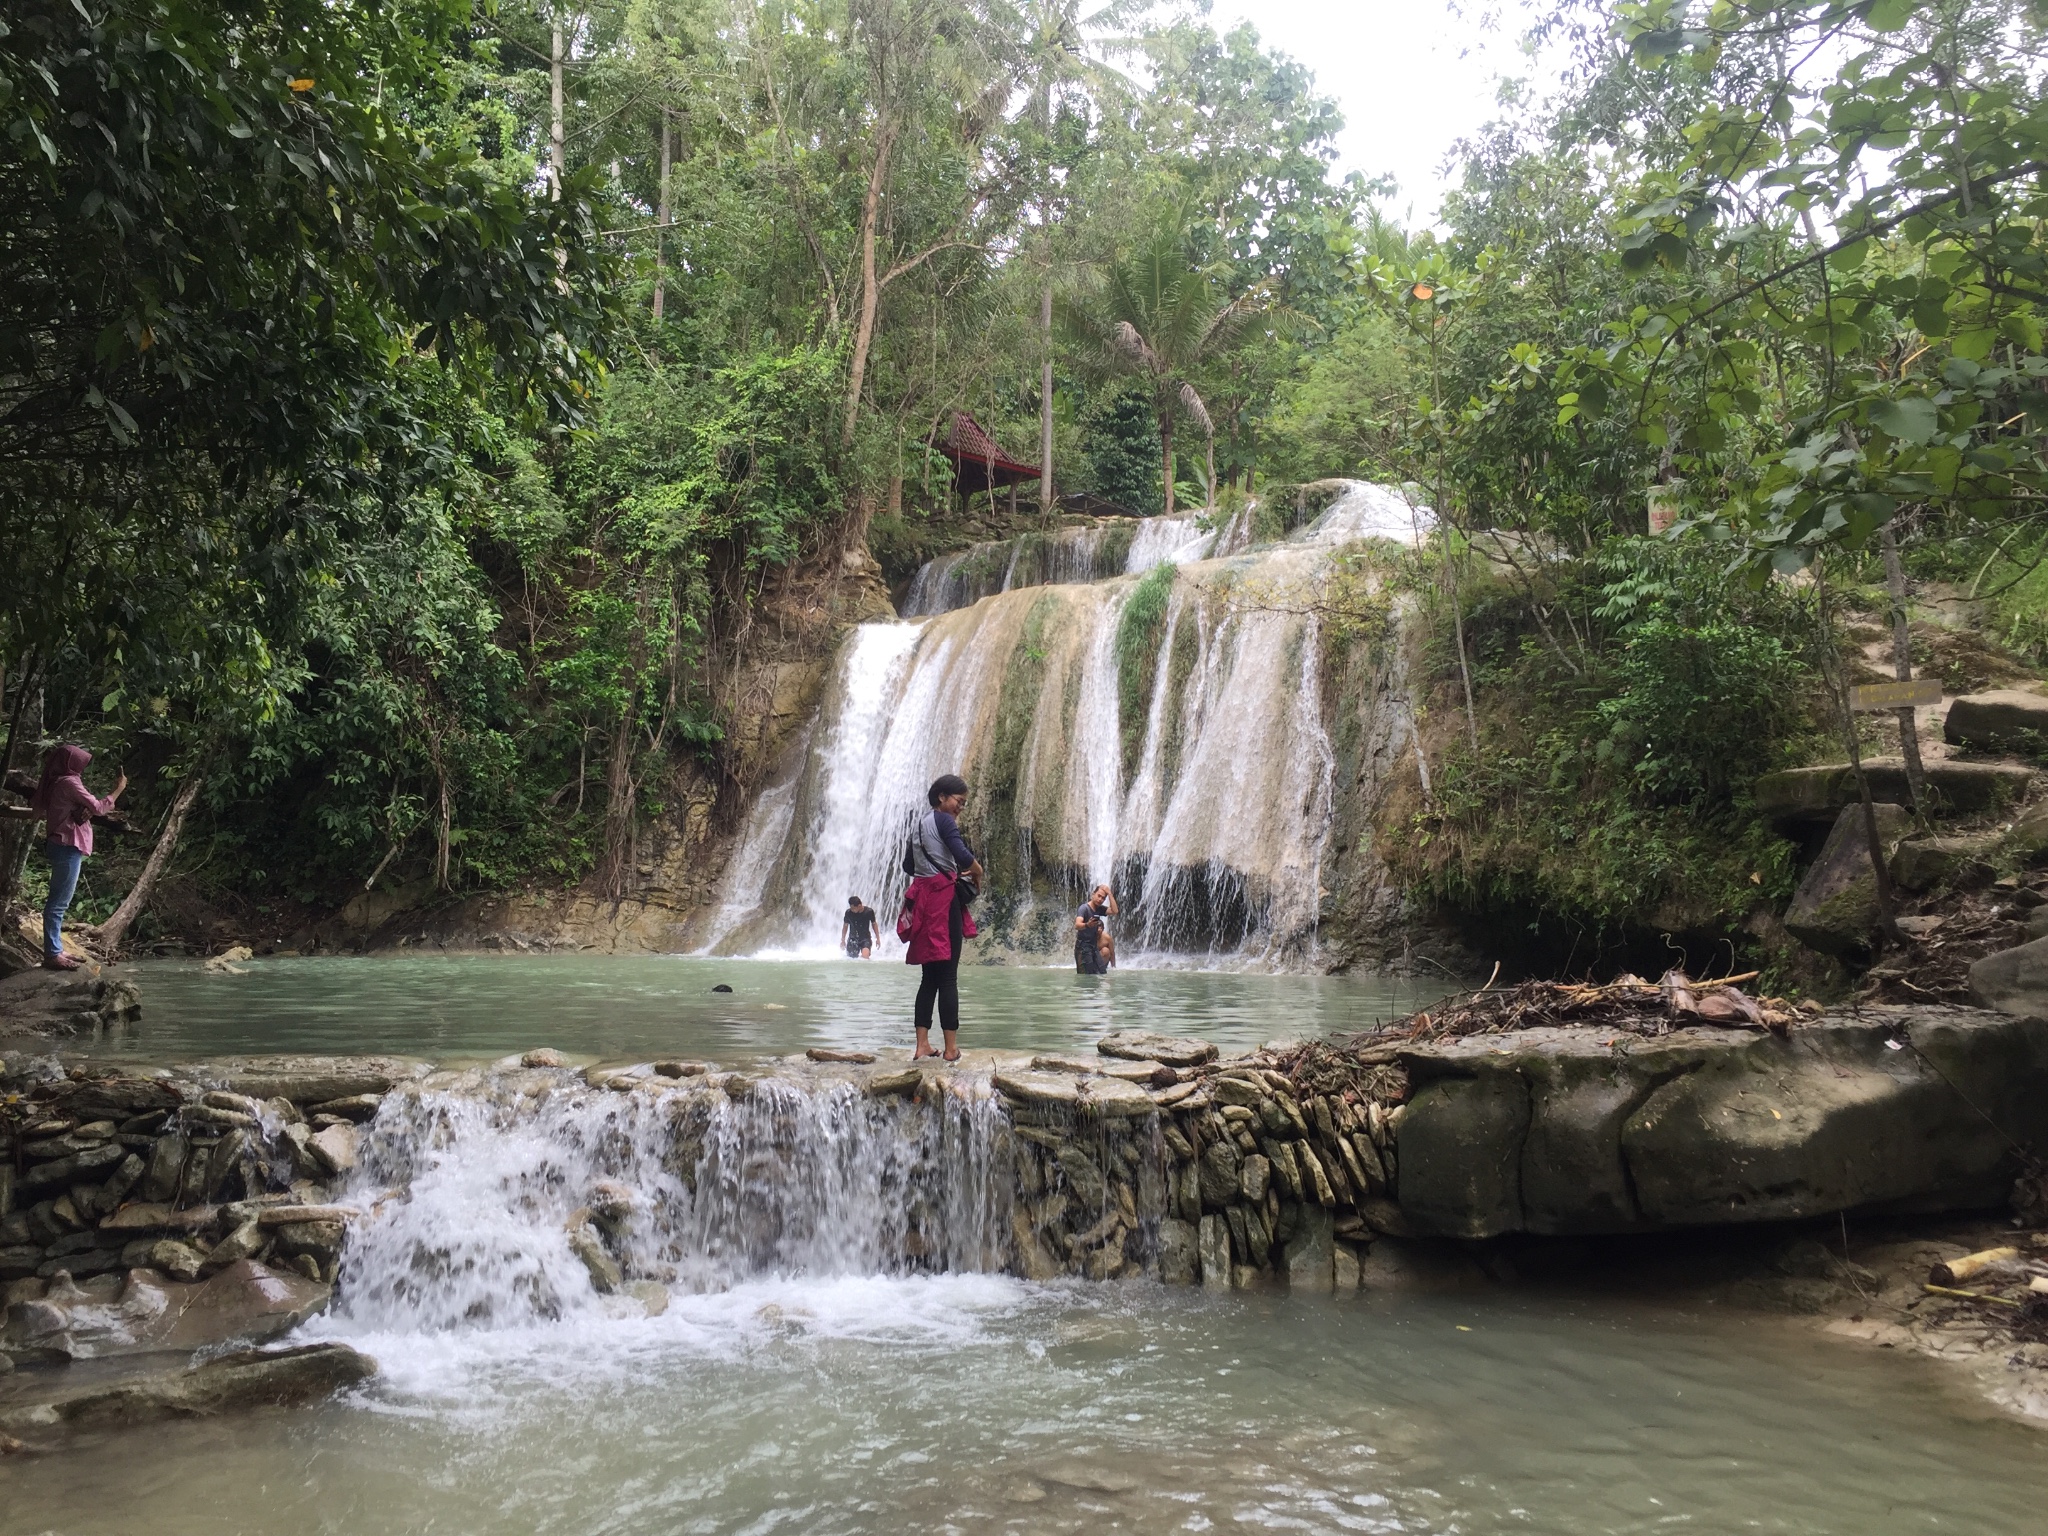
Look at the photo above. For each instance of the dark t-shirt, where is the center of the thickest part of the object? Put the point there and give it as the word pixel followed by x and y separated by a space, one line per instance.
pixel 860 927
pixel 1091 917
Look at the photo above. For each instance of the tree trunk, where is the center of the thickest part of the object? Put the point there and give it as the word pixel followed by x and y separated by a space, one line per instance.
pixel 1458 628
pixel 1902 663
pixel 558 159
pixel 115 928
pixel 870 289
pixel 1166 458
pixel 443 837
pixel 620 798
pixel 1048 501
pixel 1212 468
pixel 1880 876
pixel 18 834
pixel 661 213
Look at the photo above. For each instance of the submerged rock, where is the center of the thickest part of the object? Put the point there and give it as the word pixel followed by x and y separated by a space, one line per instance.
pixel 1311 1251
pixel 255 1378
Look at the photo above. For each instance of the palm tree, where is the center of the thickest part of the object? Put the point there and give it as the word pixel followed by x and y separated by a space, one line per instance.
pixel 1066 72
pixel 1161 318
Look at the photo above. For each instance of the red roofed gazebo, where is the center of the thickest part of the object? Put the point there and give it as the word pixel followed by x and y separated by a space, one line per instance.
pixel 978 464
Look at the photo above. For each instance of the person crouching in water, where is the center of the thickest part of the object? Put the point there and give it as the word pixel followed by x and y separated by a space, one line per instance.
pixel 1094 951
pixel 857 930
pixel 945 876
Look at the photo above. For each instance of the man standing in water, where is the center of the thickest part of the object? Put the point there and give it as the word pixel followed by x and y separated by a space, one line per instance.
pixel 945 876
pixel 1091 938
pixel 857 930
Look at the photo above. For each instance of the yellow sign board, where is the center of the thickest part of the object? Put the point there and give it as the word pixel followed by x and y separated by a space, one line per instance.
pixel 1921 690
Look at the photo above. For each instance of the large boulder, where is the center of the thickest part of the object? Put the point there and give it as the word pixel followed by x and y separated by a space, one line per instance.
pixel 1817 795
pixel 1835 908
pixel 243 1302
pixel 2003 720
pixel 1962 861
pixel 1564 1131
pixel 2014 981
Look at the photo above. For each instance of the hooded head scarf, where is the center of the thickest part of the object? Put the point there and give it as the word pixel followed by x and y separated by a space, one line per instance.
pixel 60 762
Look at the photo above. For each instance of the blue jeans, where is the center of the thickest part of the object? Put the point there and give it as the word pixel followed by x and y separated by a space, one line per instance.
pixel 64 865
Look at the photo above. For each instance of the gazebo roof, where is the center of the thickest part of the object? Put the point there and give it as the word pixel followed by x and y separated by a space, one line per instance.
pixel 978 464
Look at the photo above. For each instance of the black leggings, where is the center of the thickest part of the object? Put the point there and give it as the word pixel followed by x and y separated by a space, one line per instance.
pixel 941 981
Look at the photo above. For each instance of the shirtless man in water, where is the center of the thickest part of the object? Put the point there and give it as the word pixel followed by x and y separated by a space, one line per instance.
pixel 857 930
pixel 1094 952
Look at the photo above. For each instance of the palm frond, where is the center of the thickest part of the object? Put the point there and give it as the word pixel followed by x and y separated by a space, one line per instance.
pixel 1192 404
pixel 1125 338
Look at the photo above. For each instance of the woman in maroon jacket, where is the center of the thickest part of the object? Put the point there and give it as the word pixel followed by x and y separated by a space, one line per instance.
pixel 67 808
pixel 944 871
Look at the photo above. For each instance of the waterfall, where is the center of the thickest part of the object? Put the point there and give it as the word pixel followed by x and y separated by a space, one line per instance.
pixel 966 576
pixel 475 1192
pixel 1196 778
pixel 1179 539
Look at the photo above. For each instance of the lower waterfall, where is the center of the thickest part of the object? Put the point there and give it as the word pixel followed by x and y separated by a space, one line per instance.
pixel 1178 751
pixel 479 1193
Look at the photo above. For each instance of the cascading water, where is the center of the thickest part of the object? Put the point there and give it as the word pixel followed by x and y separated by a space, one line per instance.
pixel 476 1193
pixel 1180 755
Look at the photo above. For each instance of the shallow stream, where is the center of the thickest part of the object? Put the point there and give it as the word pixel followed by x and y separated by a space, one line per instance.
pixel 972 1403
pixel 472 1007
pixel 823 1401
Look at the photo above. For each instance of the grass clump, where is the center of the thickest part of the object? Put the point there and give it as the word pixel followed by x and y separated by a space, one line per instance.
pixel 1139 629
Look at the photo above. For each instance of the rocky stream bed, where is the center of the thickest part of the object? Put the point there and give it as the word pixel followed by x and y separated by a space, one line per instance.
pixel 162 1228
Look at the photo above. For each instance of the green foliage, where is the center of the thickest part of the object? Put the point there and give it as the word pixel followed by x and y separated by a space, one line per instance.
pixel 1700 676
pixel 1123 460
pixel 1809 388
pixel 1614 796
pixel 247 308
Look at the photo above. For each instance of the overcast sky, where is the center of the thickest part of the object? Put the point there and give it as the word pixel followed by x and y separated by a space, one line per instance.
pixel 1411 78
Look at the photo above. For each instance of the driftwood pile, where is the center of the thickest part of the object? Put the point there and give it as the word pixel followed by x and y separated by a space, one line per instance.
pixel 2003 1291
pixel 1628 1003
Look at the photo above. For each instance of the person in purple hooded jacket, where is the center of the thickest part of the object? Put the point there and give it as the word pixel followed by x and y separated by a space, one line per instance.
pixel 67 808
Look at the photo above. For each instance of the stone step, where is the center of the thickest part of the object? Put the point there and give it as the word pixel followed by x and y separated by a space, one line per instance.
pixel 1818 794
pixel 2001 720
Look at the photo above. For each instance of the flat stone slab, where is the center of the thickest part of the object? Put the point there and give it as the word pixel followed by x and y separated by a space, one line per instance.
pixel 251 1379
pixel 1820 793
pixel 1108 1096
pixel 1152 1073
pixel 305 1079
pixel 1582 1131
pixel 2003 719
pixel 1172 1050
